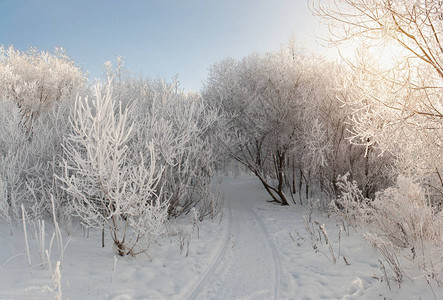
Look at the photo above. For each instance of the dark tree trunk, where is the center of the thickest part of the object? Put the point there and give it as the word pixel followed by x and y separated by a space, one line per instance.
pixel 103 236
pixel 293 176
pixel 366 190
pixel 300 186
pixel 306 189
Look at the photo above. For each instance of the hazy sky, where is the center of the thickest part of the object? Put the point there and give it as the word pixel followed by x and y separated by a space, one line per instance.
pixel 156 38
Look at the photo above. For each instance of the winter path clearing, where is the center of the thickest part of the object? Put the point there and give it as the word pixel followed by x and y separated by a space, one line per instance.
pixel 257 250
pixel 266 254
pixel 248 266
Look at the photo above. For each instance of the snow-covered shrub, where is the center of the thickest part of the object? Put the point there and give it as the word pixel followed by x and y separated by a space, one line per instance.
pixel 389 252
pixel 35 92
pixel 181 234
pixel 403 214
pixel 13 160
pixel 210 204
pixel 320 239
pixel 107 186
pixel 351 205
pixel 400 221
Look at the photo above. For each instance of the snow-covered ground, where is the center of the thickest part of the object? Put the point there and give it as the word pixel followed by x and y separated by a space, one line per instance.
pixel 256 250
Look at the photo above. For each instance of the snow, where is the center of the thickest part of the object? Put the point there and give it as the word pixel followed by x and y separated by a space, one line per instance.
pixel 255 250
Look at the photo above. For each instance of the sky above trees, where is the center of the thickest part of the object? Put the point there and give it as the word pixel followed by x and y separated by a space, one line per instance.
pixel 156 38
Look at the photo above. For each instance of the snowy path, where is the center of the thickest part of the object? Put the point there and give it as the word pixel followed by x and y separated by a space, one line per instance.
pixel 247 265
pixel 258 250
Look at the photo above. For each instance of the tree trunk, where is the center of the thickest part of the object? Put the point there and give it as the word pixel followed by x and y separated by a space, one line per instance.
pixel 293 176
pixel 281 157
pixel 271 190
pixel 300 185
pixel 103 236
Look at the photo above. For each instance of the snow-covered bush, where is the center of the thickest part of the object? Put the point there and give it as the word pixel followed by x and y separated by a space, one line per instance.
pixel 107 187
pixel 399 221
pixel 404 215
pixel 12 160
pixel 181 125
pixel 180 234
pixel 176 124
pixel 401 213
pixel 351 205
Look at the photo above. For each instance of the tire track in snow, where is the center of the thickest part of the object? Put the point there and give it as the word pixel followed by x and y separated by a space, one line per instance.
pixel 274 252
pixel 218 258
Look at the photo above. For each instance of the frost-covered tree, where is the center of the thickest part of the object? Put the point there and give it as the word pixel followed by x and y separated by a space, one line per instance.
pixel 413 25
pixel 27 164
pixel 287 123
pixel 400 104
pixel 35 80
pixel 182 127
pixel 262 95
pixel 108 187
pixel 327 151
pixel 398 111
pixel 35 92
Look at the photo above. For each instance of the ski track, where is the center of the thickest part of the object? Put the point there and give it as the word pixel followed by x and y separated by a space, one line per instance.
pixel 274 252
pixel 204 281
pixel 216 261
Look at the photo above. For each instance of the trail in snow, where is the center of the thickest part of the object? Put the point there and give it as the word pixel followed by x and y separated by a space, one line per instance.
pixel 258 250
pixel 247 267
pixel 277 268
pixel 217 259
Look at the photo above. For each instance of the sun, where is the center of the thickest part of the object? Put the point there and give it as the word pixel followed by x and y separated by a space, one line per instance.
pixel 382 55
pixel 389 54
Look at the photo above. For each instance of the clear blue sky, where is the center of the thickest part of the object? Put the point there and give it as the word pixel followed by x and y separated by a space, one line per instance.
pixel 156 38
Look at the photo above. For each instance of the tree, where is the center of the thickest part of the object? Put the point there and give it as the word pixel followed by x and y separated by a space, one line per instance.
pixel 287 124
pixel 181 126
pixel 401 106
pixel 398 110
pixel 28 160
pixel 262 94
pixel 36 80
pixel 36 91
pixel 415 26
pixel 327 132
